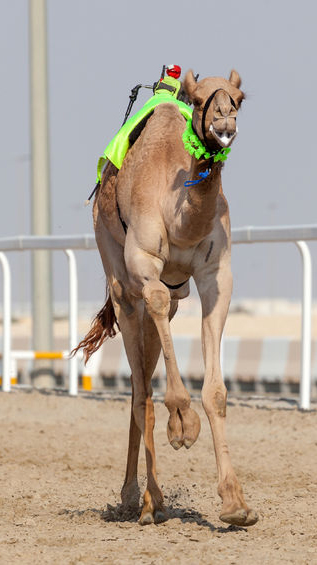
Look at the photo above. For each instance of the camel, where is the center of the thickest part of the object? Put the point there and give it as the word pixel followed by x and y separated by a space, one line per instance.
pixel 153 233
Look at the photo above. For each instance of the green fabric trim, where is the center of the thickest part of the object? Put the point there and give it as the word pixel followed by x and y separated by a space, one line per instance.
pixel 117 149
pixel 195 146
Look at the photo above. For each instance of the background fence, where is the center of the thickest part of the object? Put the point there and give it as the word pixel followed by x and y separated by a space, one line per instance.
pixel 248 235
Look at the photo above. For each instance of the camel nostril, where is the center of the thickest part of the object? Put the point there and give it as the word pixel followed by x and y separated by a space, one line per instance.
pixel 223 133
pixel 224 138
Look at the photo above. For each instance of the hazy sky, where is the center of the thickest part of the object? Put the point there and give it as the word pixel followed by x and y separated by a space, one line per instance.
pixel 98 50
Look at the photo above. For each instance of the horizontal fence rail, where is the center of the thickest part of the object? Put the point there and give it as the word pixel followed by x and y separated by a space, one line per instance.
pixel 250 234
pixel 274 234
pixel 31 242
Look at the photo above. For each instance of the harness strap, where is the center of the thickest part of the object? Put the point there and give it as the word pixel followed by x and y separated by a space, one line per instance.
pixel 164 86
pixel 124 225
pixel 174 286
pixel 205 110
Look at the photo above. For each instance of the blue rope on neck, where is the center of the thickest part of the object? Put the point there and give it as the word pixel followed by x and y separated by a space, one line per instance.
pixel 219 156
pixel 193 182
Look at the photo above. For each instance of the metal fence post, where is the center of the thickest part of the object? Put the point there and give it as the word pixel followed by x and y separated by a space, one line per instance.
pixel 73 321
pixel 305 379
pixel 6 357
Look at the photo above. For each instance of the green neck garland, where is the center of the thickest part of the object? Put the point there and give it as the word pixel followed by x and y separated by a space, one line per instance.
pixel 195 147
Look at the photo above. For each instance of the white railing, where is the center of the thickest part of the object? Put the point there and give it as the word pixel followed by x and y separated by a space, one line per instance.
pixel 296 234
pixel 37 242
pixel 6 355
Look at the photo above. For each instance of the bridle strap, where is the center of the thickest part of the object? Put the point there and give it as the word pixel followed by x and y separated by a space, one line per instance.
pixel 205 110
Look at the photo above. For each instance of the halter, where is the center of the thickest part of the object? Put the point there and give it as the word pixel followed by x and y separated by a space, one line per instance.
pixel 214 157
pixel 205 110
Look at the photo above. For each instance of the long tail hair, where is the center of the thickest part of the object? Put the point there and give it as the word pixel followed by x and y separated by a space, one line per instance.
pixel 102 327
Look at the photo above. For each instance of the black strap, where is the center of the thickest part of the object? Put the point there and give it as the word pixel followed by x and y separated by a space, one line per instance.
pixel 174 286
pixel 124 225
pixel 205 110
pixel 164 86
pixel 93 192
pixel 136 132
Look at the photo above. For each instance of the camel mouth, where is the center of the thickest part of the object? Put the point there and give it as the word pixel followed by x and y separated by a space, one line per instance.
pixel 224 138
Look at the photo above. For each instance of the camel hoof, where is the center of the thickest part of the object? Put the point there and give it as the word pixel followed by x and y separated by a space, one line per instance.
pixel 176 443
pixel 191 427
pixel 237 518
pixel 252 518
pixel 159 516
pixel 146 519
pixel 174 431
pixel 188 442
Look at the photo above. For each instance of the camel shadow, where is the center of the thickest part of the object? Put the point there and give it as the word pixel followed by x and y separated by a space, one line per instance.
pixel 121 513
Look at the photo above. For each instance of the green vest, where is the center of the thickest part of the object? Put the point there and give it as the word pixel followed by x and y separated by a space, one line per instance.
pixel 117 149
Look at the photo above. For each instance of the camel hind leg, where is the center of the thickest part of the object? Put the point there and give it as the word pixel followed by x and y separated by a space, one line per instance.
pixel 142 348
pixel 130 491
pixel 152 510
pixel 151 351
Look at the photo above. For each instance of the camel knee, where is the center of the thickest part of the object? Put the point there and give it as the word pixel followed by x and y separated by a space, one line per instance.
pixel 214 400
pixel 177 400
pixel 157 299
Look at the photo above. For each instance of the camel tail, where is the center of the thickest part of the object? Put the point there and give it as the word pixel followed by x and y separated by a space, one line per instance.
pixel 102 327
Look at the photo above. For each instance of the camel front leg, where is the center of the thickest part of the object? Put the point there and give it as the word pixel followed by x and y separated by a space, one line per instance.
pixel 184 424
pixel 215 294
pixel 144 272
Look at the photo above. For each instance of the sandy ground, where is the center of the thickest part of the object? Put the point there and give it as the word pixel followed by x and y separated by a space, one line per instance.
pixel 62 464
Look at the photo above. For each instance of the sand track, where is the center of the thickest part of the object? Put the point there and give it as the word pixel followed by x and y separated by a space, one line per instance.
pixel 62 464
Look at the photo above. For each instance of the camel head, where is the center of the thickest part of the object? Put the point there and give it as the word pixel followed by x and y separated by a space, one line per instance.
pixel 216 104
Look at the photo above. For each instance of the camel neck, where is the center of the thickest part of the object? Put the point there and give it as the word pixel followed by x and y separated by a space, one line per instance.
pixel 200 205
pixel 205 192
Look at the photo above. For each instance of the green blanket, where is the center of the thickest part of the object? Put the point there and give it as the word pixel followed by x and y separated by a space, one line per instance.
pixel 117 149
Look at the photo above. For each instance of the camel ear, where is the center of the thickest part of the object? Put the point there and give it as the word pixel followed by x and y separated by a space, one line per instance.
pixel 235 79
pixel 190 86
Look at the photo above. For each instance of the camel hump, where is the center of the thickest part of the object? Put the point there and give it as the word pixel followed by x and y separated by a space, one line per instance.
pixel 118 147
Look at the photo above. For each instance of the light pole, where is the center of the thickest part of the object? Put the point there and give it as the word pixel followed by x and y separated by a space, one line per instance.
pixel 40 191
